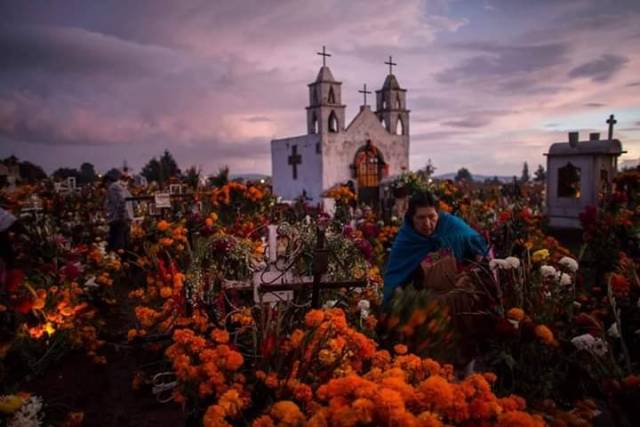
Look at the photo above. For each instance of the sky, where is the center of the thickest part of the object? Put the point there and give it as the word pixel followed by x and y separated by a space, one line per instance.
pixel 491 83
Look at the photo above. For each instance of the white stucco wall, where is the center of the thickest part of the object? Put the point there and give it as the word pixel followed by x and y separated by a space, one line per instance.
pixel 338 150
pixel 309 171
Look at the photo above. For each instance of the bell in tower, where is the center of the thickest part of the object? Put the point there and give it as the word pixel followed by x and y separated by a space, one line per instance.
pixel 391 105
pixel 325 113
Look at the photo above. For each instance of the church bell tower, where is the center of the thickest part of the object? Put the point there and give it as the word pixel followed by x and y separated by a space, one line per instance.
pixel 391 105
pixel 325 113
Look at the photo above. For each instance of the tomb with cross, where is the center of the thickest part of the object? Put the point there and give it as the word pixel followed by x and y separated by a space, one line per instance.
pixel 294 160
pixel 580 174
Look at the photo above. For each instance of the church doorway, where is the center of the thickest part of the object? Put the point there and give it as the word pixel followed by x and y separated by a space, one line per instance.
pixel 368 167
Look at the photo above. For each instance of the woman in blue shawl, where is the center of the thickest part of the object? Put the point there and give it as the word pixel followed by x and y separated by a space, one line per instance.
pixel 425 231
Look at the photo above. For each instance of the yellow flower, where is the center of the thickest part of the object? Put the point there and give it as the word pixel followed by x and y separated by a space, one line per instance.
pixel 10 404
pixel 540 255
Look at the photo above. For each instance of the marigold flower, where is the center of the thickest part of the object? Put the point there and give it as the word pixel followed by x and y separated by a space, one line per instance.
pixel 516 314
pixel 220 336
pixel 314 318
pixel 162 225
pixel 234 361
pixel 437 391
pixel 545 334
pixel 263 421
pixel 288 413
pixel 400 349
pixel 519 419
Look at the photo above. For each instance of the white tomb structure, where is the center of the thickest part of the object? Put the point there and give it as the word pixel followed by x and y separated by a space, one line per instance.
pixel 372 146
pixel 579 174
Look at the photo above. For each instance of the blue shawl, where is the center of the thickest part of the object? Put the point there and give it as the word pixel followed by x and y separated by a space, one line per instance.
pixel 410 248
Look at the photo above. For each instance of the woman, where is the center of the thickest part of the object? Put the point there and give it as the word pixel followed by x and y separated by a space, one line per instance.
pixel 434 317
pixel 426 231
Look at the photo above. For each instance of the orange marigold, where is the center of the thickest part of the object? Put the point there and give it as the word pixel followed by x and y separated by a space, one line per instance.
pixel 545 334
pixel 519 419
pixel 220 336
pixel 263 421
pixel 400 349
pixel 162 225
pixel 288 413
pixel 516 314
pixel 234 361
pixel 314 318
pixel 437 391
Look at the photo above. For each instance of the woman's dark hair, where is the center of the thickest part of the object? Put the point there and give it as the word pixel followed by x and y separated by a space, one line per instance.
pixel 423 199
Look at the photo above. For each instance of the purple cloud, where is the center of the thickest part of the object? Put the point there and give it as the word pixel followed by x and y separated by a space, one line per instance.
pixel 601 69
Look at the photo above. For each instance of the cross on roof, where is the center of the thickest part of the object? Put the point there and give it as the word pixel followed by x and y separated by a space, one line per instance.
pixel 391 64
pixel 324 55
pixel 365 92
pixel 295 159
pixel 612 121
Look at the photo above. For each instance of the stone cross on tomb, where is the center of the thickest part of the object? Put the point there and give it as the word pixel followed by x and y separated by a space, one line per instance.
pixel 612 121
pixel 295 159
pixel 365 92
pixel 390 63
pixel 324 55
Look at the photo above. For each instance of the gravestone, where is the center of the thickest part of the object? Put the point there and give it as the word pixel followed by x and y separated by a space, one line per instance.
pixel 579 174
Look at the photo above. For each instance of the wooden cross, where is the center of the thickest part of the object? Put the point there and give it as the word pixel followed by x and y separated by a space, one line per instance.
pixel 391 64
pixel 365 92
pixel 324 55
pixel 294 160
pixel 612 121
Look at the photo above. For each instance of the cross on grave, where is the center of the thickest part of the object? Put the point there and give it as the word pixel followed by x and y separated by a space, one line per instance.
pixel 612 121
pixel 324 55
pixel 295 159
pixel 391 64
pixel 365 92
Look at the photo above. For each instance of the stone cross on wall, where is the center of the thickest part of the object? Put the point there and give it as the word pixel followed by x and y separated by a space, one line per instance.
pixel 365 92
pixel 390 63
pixel 324 55
pixel 612 121
pixel 295 159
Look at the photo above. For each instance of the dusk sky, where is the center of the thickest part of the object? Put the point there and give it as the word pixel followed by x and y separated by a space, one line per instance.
pixel 491 84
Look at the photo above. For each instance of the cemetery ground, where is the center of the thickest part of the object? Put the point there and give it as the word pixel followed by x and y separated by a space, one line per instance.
pixel 192 324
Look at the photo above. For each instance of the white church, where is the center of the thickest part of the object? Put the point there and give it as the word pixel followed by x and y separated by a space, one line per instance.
pixel 373 145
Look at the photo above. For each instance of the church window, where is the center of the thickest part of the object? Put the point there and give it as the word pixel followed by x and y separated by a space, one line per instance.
pixel 333 122
pixel 314 96
pixel 382 123
pixel 398 103
pixel 332 97
pixel 318 149
pixel 314 123
pixel 399 127
pixel 384 104
pixel 569 181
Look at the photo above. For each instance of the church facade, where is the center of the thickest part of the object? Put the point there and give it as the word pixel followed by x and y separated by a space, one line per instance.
pixel 373 145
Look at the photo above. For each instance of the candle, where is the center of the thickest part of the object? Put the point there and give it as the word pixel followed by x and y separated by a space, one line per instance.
pixel 273 243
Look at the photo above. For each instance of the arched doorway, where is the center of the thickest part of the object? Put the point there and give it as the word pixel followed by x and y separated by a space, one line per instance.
pixel 369 168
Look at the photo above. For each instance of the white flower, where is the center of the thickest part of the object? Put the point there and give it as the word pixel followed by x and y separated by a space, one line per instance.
pixel 502 264
pixel 548 271
pixel 569 263
pixel 576 304
pixel 29 414
pixel 595 346
pixel 330 304
pixel 91 282
pixel 564 279
pixel 364 306
pixel 513 262
pixel 613 331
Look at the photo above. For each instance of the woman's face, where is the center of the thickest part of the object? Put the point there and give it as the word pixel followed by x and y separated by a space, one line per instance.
pixel 425 220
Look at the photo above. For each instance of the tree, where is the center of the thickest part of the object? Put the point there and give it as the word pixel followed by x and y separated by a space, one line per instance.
pixel 31 173
pixel 221 178
pixel 525 173
pixel 161 170
pixel 540 174
pixel 192 176
pixel 463 174
pixel 87 173
pixel 64 173
pixel 429 169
